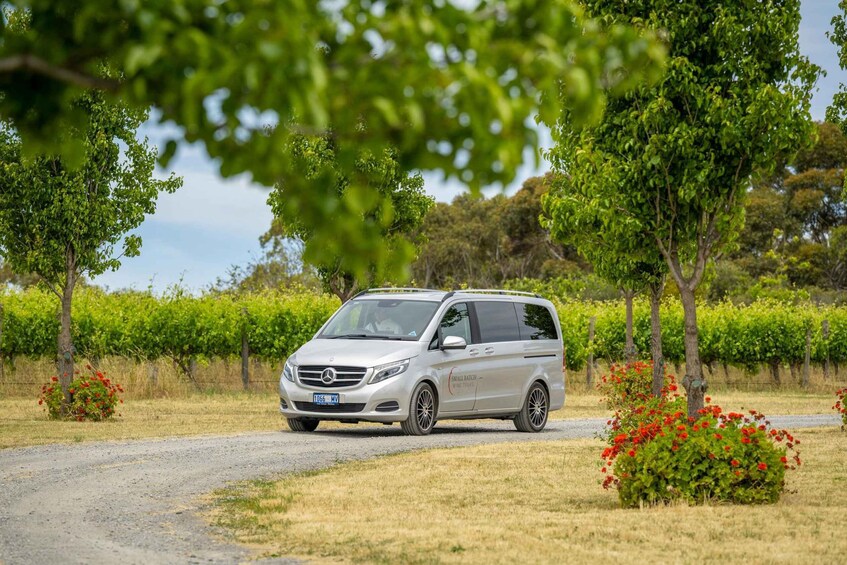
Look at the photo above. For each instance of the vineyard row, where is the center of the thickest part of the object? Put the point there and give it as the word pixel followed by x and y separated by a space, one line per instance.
pixel 273 325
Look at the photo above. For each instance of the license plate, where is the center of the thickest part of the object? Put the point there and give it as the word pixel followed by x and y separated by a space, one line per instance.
pixel 325 399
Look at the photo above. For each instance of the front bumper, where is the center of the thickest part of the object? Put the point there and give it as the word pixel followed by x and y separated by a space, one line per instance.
pixel 385 402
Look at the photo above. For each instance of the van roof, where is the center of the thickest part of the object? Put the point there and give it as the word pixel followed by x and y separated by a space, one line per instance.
pixel 440 295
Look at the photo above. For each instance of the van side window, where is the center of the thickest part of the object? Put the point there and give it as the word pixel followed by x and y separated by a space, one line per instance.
pixel 536 322
pixel 457 322
pixel 498 321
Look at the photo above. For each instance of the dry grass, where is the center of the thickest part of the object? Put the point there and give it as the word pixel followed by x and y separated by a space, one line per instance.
pixel 530 502
pixel 173 406
pixel 157 379
pixel 584 405
pixel 23 422
pixel 162 378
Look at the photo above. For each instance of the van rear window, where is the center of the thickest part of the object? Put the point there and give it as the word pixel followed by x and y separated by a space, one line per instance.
pixel 498 321
pixel 536 322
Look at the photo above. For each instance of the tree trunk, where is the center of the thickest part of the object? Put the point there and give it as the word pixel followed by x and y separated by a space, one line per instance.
pixel 775 372
pixel 629 346
pixel 65 358
pixel 694 381
pixel 656 339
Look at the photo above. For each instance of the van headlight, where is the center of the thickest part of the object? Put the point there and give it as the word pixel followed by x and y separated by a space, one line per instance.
pixel 389 370
pixel 288 371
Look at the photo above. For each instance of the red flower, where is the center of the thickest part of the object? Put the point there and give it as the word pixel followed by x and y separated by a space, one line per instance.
pixel 726 448
pixel 762 466
pixel 784 459
pixel 631 453
pixel 734 463
pixel 718 436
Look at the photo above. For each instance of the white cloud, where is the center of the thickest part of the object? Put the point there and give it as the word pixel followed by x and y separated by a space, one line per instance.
pixel 234 206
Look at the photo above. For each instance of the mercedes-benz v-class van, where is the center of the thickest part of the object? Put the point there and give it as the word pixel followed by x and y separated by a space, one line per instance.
pixel 418 356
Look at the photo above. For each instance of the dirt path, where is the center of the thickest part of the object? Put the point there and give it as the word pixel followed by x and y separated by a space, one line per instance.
pixel 137 502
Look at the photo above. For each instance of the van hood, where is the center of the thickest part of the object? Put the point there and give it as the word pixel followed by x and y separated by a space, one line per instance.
pixel 355 352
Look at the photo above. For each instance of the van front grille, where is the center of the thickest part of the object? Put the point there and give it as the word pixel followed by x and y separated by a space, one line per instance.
pixel 346 408
pixel 310 375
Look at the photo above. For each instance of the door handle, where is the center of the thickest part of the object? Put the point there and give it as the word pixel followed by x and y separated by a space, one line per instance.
pixel 473 352
pixel 489 350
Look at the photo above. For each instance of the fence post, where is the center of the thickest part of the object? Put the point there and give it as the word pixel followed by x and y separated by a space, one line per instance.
pixel 807 360
pixel 153 374
pixel 245 352
pixel 589 372
pixel 825 331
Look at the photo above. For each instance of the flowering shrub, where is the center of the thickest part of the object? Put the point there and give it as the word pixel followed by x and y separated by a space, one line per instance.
pixel 841 406
pixel 628 393
pixel 658 454
pixel 93 397
pixel 727 457
pixel 627 386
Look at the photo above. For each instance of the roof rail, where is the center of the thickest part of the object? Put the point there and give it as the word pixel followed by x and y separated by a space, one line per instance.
pixel 396 289
pixel 497 291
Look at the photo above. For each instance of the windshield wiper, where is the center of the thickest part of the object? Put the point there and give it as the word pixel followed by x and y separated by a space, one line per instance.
pixel 363 336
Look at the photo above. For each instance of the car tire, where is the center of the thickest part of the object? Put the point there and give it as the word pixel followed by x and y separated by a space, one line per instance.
pixel 303 424
pixel 422 412
pixel 533 415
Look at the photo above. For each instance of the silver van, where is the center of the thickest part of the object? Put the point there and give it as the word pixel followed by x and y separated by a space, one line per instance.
pixel 418 356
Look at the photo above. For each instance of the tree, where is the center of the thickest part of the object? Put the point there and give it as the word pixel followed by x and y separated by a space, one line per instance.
pixel 280 266
pixel 620 251
pixel 681 153
pixel 791 215
pixel 448 87
pixel 483 242
pixel 405 205
pixel 837 111
pixel 9 277
pixel 63 222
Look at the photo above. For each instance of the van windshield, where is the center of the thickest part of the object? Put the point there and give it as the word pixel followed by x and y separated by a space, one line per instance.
pixel 403 320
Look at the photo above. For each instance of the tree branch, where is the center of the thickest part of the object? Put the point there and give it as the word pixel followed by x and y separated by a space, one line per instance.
pixel 50 285
pixel 39 66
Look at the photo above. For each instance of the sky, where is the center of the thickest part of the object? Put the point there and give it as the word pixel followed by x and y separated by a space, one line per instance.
pixel 211 224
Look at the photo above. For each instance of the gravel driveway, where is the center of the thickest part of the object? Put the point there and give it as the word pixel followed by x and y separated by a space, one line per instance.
pixel 137 501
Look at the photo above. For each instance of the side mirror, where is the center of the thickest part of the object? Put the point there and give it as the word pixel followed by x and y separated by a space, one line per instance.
pixel 453 342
